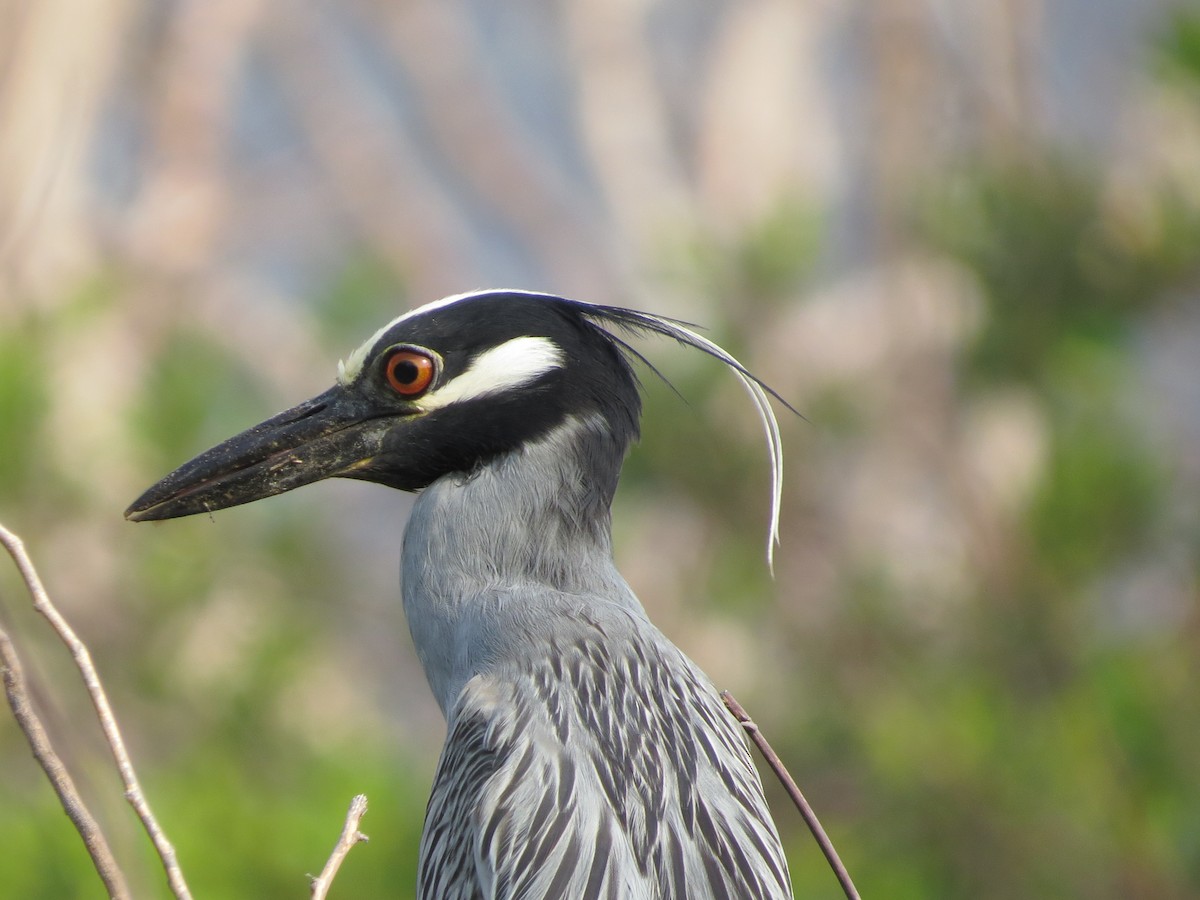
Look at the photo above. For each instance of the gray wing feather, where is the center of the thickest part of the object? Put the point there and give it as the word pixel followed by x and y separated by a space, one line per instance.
pixel 604 766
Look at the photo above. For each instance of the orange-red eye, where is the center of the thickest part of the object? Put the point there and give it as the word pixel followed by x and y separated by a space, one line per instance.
pixel 409 372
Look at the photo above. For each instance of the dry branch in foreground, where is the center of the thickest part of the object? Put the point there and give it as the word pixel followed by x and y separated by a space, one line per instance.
pixel 60 779
pixel 789 784
pixel 349 837
pixel 112 733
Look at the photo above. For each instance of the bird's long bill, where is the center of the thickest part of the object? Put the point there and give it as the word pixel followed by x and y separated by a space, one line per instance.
pixel 322 437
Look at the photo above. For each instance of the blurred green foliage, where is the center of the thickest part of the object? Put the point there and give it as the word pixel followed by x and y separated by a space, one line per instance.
pixel 1029 756
pixel 1057 267
pixel 1179 46
pixel 178 410
pixel 250 804
pixel 767 261
pixel 23 398
pixel 363 294
pixel 280 814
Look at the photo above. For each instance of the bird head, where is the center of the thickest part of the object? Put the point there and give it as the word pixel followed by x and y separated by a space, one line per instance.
pixel 444 389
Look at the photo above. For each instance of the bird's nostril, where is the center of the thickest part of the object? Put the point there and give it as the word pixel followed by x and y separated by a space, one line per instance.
pixel 305 412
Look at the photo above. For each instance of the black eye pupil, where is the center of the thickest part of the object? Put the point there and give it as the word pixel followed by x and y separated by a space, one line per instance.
pixel 405 371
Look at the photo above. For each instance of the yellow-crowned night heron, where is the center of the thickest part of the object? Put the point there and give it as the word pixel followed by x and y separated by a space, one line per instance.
pixel 585 756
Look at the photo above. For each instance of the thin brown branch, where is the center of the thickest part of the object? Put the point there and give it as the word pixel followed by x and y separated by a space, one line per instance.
pixel 112 732
pixel 60 779
pixel 806 811
pixel 349 837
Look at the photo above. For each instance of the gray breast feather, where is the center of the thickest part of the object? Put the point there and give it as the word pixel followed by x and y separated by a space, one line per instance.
pixel 601 767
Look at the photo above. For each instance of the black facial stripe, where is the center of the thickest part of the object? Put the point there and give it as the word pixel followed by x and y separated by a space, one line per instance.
pixel 595 380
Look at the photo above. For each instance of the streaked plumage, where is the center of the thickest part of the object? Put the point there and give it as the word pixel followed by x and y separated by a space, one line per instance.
pixel 585 755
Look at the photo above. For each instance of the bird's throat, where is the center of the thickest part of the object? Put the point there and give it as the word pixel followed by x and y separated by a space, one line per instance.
pixel 534 522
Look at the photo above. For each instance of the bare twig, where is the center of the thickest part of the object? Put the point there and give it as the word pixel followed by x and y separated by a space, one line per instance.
pixel 349 837
pixel 806 811
pixel 43 751
pixel 83 661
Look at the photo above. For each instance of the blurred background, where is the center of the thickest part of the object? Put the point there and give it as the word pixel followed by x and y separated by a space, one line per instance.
pixel 962 238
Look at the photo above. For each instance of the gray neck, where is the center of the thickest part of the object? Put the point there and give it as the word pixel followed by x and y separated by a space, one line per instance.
pixel 489 557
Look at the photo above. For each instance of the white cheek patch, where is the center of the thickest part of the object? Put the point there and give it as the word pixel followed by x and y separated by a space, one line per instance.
pixel 504 368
